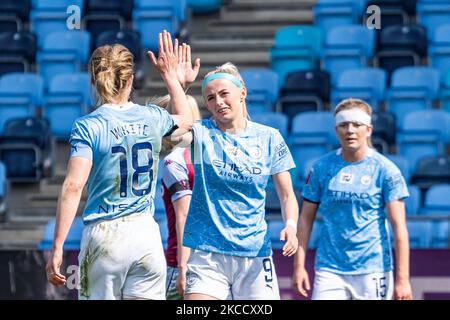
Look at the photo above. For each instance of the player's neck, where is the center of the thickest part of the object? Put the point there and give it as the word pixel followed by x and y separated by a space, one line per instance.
pixel 233 127
pixel 351 155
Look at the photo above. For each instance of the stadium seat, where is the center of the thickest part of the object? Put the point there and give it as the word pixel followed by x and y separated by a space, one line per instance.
pixel 20 95
pixel 412 89
pixel 433 13
pixel 19 9
pixel 304 91
pixel 129 39
pixel 73 237
pixel 445 93
pixel 296 48
pixel 312 135
pixel 62 53
pixel 274 228
pixel 3 192
pixel 384 128
pixel 402 163
pixel 414 201
pixel 27 148
pixel 329 14
pixel 437 206
pixel 419 234
pixel 272 119
pixel 368 84
pixel 400 46
pixel 204 6
pixel 18 51
pixel 49 16
pixel 347 47
pixel 439 49
pixel 150 18
pixel 440 235
pixel 122 8
pixel 432 170
pixel 394 12
pixel 262 89
pixel 98 23
pixel 69 97
pixel 423 133
pixel 437 200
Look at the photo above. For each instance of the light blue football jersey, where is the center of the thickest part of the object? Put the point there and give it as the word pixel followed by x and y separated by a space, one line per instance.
pixel 124 146
pixel 354 238
pixel 226 213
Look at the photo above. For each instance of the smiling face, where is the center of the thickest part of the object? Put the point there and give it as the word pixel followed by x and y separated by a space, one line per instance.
pixel 224 100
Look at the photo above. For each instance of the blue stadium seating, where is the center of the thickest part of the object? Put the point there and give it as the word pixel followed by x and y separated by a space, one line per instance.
pixel 50 16
pixel 445 93
pixel 3 192
pixel 414 201
pixel 20 95
pixel 394 12
pixel 400 46
pixel 412 89
pixel 419 234
pixel 19 9
pixel 63 52
pixel 437 200
pixel 439 49
pixel 296 48
pixel 150 18
pixel 347 47
pixel 432 170
pixel 274 228
pixel 262 89
pixel 128 38
pixel 204 6
pixel 440 235
pixel 423 133
pixel 304 91
pixel 26 147
pixel 312 135
pixel 437 204
pixel 73 238
pixel 329 14
pixel 368 84
pixel 121 8
pixel 69 97
pixel 272 119
pixel 432 13
pixel 18 51
pixel 402 163
pixel 384 129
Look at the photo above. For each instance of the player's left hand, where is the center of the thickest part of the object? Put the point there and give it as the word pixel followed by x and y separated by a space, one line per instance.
pixel 289 235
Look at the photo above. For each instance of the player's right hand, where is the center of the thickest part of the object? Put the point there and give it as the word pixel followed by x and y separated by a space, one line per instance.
pixel 53 268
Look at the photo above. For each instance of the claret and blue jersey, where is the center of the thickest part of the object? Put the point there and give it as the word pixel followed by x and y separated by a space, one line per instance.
pixel 124 146
pixel 231 173
pixel 352 198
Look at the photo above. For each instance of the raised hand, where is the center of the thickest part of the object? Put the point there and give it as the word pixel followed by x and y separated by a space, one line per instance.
pixel 186 74
pixel 167 61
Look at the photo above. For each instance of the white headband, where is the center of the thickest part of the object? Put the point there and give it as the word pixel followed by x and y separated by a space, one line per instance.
pixel 353 115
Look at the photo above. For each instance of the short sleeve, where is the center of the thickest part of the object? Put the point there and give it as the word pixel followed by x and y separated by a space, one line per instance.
pixel 311 189
pixel 175 178
pixel 394 185
pixel 281 155
pixel 165 121
pixel 81 144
